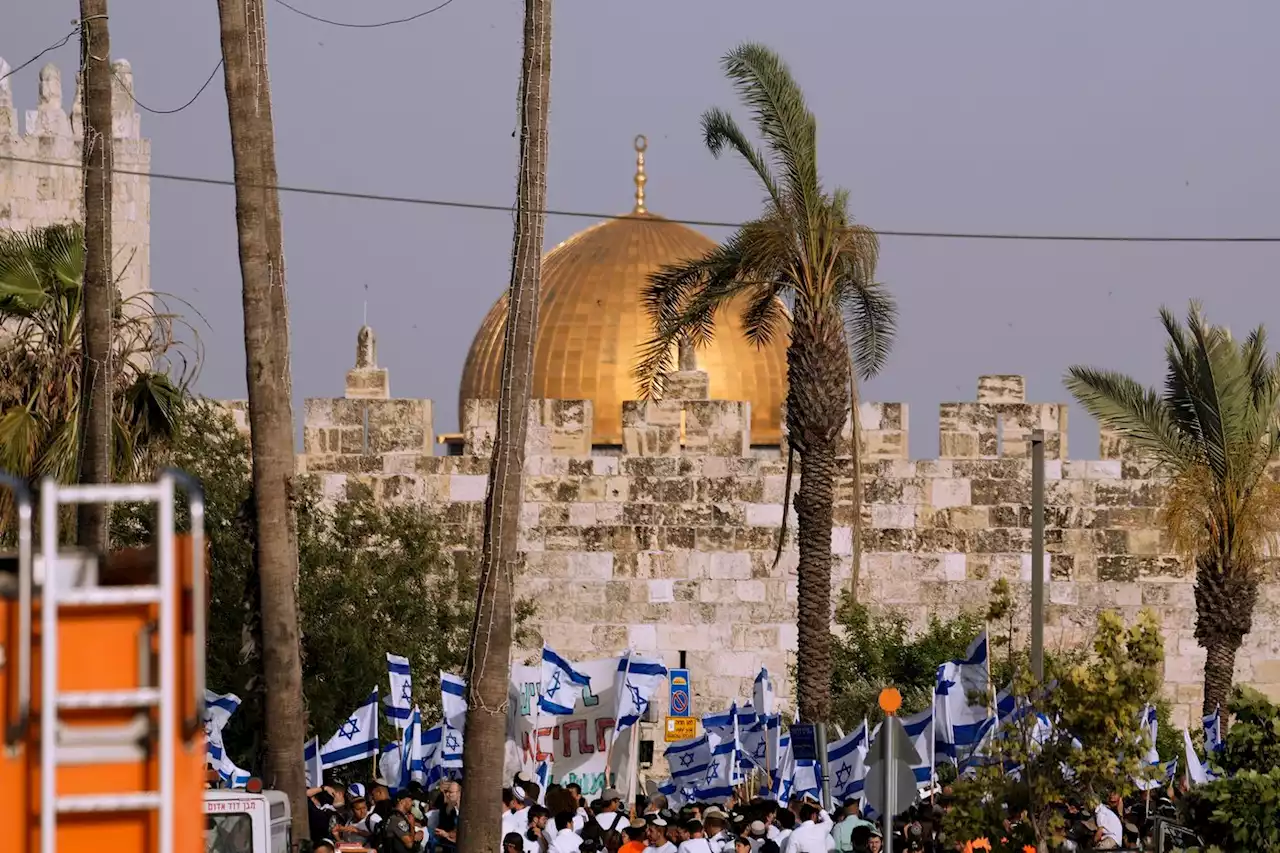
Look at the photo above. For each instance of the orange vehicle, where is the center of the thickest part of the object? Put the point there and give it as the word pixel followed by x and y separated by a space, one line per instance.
pixel 102 679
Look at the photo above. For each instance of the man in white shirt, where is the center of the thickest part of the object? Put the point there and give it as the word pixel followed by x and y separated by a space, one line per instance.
pixel 1110 832
pixel 657 836
pixel 813 835
pixel 515 817
pixel 567 841
pixel 697 842
pixel 716 829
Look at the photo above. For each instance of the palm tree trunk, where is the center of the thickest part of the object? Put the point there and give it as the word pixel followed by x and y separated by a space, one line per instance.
pixel 817 408
pixel 266 343
pixel 97 370
pixel 855 450
pixel 489 659
pixel 1226 594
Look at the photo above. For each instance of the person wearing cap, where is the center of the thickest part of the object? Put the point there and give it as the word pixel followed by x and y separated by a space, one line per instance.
pixel 515 818
pixel 609 816
pixel 757 833
pixel 324 845
pixel 657 835
pixel 635 833
pixel 356 830
pixel 401 835
pixel 716 828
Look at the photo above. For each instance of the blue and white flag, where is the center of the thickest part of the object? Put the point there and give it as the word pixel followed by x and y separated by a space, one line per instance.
pixel 452 743
pixel 1213 742
pixel 919 728
pixel 561 685
pixel 1148 727
pixel 637 680
pixel 780 784
pixel 961 722
pixel 718 781
pixel 315 769
pixel 760 742
pixel 389 764
pixel 1196 773
pixel 453 700
pixel 218 709
pixel 400 699
pixel 411 768
pixel 357 736
pixel 762 696
pixel 677 796
pixel 847 759
pixel 688 760
pixel 433 754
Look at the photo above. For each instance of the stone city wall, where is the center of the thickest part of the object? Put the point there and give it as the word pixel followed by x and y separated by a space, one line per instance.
pixel 35 194
pixel 669 545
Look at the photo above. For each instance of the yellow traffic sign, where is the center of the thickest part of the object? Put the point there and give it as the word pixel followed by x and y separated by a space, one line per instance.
pixel 681 728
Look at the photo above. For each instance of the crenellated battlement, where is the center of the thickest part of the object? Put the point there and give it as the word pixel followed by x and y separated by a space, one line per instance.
pixel 49 191
pixel 668 543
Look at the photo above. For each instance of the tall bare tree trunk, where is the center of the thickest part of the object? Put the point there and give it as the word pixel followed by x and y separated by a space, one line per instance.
pixel 99 286
pixel 266 345
pixel 489 659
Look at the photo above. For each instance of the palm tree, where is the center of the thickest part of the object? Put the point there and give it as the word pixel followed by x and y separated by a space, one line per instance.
pixel 42 361
pixel 266 344
pixel 488 665
pixel 806 249
pixel 99 287
pixel 1214 431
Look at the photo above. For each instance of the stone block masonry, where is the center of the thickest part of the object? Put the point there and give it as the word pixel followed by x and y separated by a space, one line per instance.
pixel 667 544
pixel 36 195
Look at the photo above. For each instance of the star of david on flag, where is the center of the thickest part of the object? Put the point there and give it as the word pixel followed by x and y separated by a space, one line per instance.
pixel 635 683
pixel 562 685
pixel 356 738
pixel 400 698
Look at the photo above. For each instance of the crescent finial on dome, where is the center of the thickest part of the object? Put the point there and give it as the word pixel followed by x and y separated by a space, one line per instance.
pixel 641 145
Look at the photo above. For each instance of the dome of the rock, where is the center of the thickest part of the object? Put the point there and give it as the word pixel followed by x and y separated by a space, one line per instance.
pixel 592 323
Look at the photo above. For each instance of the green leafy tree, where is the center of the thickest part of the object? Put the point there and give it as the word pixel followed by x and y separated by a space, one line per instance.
pixel 874 649
pixel 42 360
pixel 1096 701
pixel 1241 809
pixel 806 249
pixel 374 578
pixel 1214 430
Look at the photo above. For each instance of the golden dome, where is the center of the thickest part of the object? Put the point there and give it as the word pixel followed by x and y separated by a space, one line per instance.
pixel 592 324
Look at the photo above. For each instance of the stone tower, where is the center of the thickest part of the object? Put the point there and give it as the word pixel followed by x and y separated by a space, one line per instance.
pixel 40 178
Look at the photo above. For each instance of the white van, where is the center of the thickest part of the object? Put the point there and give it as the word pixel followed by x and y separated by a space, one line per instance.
pixel 239 822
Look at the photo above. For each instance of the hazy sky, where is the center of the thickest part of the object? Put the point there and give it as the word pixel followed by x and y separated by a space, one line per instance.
pixel 1150 117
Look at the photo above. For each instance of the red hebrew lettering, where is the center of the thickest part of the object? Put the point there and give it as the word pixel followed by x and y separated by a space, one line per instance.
pixel 604 725
pixel 585 747
pixel 549 731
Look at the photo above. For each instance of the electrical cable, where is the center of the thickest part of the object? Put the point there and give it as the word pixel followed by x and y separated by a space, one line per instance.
pixel 146 108
pixel 703 223
pixel 305 14
pixel 14 71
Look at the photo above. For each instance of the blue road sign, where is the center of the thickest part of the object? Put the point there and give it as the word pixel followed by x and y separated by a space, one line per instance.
pixel 804 741
pixel 681 693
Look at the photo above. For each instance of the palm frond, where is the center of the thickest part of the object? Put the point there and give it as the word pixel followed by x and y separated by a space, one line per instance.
pixel 764 315
pixel 721 131
pixel 766 86
pixel 1136 413
pixel 871 325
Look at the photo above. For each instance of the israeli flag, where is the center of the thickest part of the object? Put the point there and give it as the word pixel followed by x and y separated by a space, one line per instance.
pixel 637 680
pixel 847 759
pixel 1147 730
pixel 451 746
pixel 688 760
pixel 1213 742
pixel 676 795
pixel 760 742
pixel 400 699
pixel 453 700
pixel 411 752
pixel 780 785
pixel 357 736
pixel 315 769
pixel 433 754
pixel 919 728
pixel 718 781
pixel 389 763
pixel 561 685
pixel 960 724
pixel 1196 774
pixel 762 697
pixel 218 709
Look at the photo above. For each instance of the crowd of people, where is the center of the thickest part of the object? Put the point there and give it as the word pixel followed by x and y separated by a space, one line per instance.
pixel 561 820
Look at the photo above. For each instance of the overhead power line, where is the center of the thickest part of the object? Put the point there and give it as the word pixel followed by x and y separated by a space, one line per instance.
pixel 703 223
pixel 55 46
pixel 352 26
pixel 146 108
